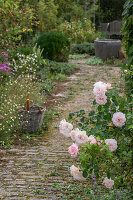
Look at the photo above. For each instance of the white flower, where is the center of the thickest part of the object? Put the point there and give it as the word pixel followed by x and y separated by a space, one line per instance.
pixel 112 143
pixel 65 128
pixel 99 88
pixel 77 175
pixel 101 100
pixel 119 119
pixel 108 182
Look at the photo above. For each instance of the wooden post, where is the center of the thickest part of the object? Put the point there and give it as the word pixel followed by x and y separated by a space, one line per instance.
pixel 28 102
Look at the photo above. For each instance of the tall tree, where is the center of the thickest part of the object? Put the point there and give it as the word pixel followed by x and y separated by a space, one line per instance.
pixel 111 10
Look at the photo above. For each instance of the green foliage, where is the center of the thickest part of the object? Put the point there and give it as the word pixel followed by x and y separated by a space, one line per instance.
pixel 96 158
pixel 103 36
pixel 94 61
pixel 47 14
pixel 55 46
pixel 23 65
pixel 128 74
pixel 79 31
pixel 15 22
pixel 68 10
pixel 59 68
pixel 11 101
pixel 77 191
pixel 83 48
pixel 108 12
pixel 93 158
pixel 46 85
pixel 128 42
pixel 128 29
pixel 78 56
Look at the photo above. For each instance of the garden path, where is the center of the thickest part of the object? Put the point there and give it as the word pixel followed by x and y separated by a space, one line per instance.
pixel 30 172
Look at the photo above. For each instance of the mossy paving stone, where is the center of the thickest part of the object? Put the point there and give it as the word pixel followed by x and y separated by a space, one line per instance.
pixel 29 171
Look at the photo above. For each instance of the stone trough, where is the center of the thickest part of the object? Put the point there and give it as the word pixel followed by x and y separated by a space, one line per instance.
pixel 107 48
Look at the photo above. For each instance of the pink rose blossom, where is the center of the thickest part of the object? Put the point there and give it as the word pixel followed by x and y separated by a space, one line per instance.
pixel 65 128
pixel 77 175
pixel 112 143
pixel 1 117
pixel 74 133
pixel 101 100
pixel 73 150
pixel 92 139
pixel 108 183
pixel 99 88
pixel 119 119
pixel 108 86
pixel 81 137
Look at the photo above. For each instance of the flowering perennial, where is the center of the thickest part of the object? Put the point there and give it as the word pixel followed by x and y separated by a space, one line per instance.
pixel 112 143
pixel 73 150
pixel 65 128
pixel 93 148
pixel 5 66
pixel 108 182
pixel 77 175
pixel 119 119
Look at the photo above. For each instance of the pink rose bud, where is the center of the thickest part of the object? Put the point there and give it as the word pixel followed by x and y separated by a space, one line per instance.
pixel 1 117
pixel 73 150
pixel 108 86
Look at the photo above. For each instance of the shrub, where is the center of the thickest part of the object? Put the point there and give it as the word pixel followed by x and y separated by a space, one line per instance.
pixel 94 61
pixel 79 31
pixel 104 141
pixel 30 64
pixel 128 29
pixel 128 73
pixel 23 65
pixel 83 48
pixel 128 42
pixel 15 22
pixel 55 46
pixel 60 68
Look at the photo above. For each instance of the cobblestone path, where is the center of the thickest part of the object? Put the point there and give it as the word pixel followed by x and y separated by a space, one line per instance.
pixel 28 172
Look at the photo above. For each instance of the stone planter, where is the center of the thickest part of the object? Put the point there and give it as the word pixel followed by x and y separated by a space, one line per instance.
pixel 107 48
pixel 31 120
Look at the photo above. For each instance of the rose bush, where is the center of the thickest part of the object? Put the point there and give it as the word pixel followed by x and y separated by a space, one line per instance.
pixel 103 138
